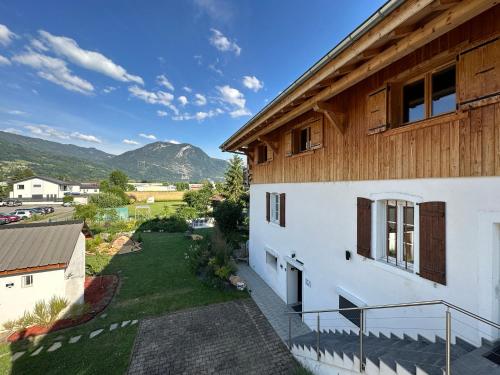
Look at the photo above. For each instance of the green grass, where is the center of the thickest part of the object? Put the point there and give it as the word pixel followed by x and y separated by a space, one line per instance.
pixel 158 208
pixel 153 282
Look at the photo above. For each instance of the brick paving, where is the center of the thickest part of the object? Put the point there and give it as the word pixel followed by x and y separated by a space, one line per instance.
pixel 271 305
pixel 227 338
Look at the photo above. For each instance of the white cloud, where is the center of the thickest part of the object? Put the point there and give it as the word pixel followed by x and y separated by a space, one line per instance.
pixel 108 89
pixel 187 89
pixel 183 100
pixel 240 112
pixel 252 83
pixel 163 80
pixel 130 142
pixel 12 130
pixel 6 35
pixel 199 116
pixel 38 45
pixel 223 43
pixel 232 96
pixel 214 68
pixel 218 10
pixel 85 137
pixel 46 131
pixel 54 70
pixel 161 113
pixel 4 60
pixel 200 99
pixel 198 59
pixel 91 60
pixel 15 112
pixel 148 136
pixel 173 141
pixel 158 97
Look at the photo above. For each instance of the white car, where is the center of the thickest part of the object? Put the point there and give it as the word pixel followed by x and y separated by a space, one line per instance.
pixel 23 214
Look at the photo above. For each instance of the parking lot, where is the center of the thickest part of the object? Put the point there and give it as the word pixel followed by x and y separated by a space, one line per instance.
pixel 60 213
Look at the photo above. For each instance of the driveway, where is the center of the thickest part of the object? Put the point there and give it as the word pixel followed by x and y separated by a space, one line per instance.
pixel 227 338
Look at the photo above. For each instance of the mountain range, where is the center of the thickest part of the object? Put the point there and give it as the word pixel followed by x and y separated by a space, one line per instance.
pixel 158 161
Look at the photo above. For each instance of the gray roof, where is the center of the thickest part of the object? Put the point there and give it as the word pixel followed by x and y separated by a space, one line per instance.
pixel 50 179
pixel 37 245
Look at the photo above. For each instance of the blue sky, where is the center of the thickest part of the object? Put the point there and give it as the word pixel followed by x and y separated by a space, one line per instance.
pixel 116 75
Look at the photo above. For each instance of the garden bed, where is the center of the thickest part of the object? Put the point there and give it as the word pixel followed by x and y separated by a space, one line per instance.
pixel 98 293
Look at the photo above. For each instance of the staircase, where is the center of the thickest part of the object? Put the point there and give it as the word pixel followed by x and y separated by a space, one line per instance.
pixel 393 355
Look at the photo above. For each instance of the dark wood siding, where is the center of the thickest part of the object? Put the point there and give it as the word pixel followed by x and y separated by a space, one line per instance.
pixel 282 209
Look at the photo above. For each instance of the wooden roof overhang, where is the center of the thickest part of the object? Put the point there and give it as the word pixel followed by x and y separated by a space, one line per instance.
pixel 48 267
pixel 394 31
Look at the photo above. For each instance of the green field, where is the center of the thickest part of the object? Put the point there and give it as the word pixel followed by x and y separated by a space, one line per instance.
pixel 157 209
pixel 153 281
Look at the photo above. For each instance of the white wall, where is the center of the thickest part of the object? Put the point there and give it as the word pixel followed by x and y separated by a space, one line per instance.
pixel 30 189
pixel 14 301
pixel 321 226
pixel 75 273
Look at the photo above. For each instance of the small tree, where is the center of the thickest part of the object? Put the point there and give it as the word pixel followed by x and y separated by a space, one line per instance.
pixel 85 212
pixel 228 215
pixel 181 186
pixel 106 200
pixel 199 199
pixel 68 199
pixel 119 179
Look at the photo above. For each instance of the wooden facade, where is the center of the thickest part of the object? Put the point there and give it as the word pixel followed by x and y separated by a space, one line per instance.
pixel 369 144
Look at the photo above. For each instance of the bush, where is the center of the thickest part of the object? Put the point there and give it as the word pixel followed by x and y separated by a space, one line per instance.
pixel 68 199
pixel 228 215
pixel 172 224
pixel 186 212
pixel 86 212
pixel 44 314
pixel 93 244
pixel 108 200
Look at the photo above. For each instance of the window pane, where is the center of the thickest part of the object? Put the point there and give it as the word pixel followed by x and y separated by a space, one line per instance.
pixel 408 232
pixel 304 139
pixel 392 231
pixel 413 101
pixel 443 91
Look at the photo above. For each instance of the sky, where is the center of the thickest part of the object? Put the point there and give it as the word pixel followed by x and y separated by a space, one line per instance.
pixel 118 74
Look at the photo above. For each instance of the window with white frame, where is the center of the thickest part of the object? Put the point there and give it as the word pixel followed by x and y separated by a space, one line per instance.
pixel 20 187
pixel 272 260
pixel 275 208
pixel 399 229
pixel 27 281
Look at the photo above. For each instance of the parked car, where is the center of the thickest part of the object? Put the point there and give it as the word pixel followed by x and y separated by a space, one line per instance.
pixel 23 214
pixel 37 210
pixel 10 218
pixel 14 202
pixel 3 220
pixel 3 203
pixel 49 209
pixel 68 204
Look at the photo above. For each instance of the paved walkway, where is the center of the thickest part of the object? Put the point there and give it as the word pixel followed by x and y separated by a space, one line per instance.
pixel 227 338
pixel 271 305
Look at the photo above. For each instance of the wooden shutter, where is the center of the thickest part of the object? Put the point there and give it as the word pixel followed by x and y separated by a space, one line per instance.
pixel 364 232
pixel 282 209
pixel 479 72
pixel 268 206
pixel 317 133
pixel 395 111
pixel 270 153
pixel 377 110
pixel 288 143
pixel 433 241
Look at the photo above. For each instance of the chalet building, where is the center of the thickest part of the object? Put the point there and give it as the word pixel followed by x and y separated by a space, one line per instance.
pixel 375 176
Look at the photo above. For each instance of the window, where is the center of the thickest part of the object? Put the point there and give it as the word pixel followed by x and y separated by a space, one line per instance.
pixel 261 154
pixel 37 186
pixel 431 95
pixel 414 101
pixel 271 260
pixel 20 187
pixel 27 281
pixel 301 140
pixel 275 208
pixel 399 233
pixel 443 91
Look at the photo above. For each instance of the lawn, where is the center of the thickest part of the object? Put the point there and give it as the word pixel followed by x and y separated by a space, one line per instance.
pixel 157 209
pixel 153 281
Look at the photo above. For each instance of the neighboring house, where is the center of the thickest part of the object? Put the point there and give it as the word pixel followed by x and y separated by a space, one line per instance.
pixel 375 176
pixel 39 261
pixel 87 188
pixel 43 188
pixel 195 186
pixel 153 186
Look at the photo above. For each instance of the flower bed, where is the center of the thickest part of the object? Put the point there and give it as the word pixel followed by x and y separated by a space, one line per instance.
pixel 99 291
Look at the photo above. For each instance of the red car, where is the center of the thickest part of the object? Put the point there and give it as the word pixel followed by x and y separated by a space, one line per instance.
pixel 10 218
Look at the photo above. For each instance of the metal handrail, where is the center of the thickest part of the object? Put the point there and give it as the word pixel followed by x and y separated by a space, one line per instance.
pixel 362 310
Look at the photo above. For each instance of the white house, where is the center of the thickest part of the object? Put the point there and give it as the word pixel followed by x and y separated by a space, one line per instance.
pixel 39 261
pixel 89 188
pixel 375 177
pixel 43 188
pixel 153 186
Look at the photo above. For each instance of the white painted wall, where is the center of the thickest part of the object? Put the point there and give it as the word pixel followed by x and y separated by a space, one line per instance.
pixel 321 226
pixel 37 186
pixel 75 273
pixel 14 301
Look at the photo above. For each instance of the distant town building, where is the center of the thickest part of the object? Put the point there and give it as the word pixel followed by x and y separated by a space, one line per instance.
pixel 195 186
pixel 89 188
pixel 152 186
pixel 43 188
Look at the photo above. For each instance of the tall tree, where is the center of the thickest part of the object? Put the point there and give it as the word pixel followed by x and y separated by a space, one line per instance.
pixel 234 190
pixel 119 179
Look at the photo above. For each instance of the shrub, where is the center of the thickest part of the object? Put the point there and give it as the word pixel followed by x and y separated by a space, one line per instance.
pixel 44 314
pixel 93 243
pixel 68 199
pixel 87 212
pixel 172 224
pixel 186 212
pixel 228 215
pixel 107 200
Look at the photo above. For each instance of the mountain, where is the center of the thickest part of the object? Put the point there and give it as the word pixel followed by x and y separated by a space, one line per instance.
pixel 161 161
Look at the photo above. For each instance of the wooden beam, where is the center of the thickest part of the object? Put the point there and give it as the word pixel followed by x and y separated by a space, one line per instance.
pixel 402 31
pixel 369 53
pixel 333 116
pixel 438 26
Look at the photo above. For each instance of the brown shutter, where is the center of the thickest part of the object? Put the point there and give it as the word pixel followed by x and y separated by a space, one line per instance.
pixel 395 110
pixel 433 241
pixel 364 233
pixel 478 71
pixel 377 110
pixel 282 209
pixel 268 206
pixel 288 143
pixel 317 133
